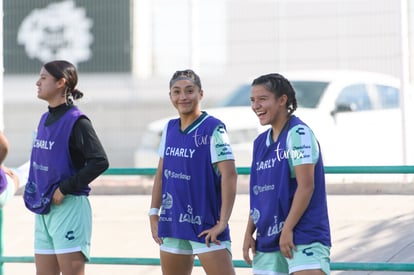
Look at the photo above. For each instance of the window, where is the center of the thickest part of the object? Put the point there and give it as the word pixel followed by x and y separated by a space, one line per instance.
pixel 354 98
pixel 388 96
pixel 309 93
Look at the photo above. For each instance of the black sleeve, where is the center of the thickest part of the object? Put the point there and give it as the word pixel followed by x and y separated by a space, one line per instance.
pixel 88 157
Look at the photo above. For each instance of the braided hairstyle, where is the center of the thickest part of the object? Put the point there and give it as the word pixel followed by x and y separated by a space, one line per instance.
pixel 187 75
pixel 278 85
pixel 63 69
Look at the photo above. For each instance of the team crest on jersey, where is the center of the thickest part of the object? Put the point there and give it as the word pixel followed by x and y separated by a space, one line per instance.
pixel 167 201
pixel 255 214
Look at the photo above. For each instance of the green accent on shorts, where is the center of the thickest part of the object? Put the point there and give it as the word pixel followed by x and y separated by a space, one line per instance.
pixel 185 247
pixel 66 228
pixel 312 256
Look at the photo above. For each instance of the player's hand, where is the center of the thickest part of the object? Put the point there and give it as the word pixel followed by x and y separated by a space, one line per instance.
pixel 212 233
pixel 58 197
pixel 286 244
pixel 154 228
pixel 249 244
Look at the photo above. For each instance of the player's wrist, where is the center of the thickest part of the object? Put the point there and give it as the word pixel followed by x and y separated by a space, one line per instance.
pixel 223 223
pixel 154 212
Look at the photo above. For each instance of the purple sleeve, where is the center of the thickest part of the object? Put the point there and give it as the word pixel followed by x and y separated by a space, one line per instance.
pixel 3 181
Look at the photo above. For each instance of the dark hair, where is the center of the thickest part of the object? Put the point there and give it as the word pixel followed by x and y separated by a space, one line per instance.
pixel 278 85
pixel 185 74
pixel 63 69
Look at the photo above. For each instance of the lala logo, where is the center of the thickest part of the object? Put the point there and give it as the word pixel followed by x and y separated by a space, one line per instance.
pixel 189 217
pixel 276 228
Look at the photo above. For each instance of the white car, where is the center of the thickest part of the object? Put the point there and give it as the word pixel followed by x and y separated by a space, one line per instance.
pixel 356 117
pixel 241 123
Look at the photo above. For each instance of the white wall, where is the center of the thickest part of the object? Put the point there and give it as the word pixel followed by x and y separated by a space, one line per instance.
pixel 230 41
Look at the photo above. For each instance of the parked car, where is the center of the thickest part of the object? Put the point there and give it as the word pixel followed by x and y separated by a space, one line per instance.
pixel 241 124
pixel 355 116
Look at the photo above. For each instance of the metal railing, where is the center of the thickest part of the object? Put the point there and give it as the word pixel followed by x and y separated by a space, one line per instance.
pixel 348 266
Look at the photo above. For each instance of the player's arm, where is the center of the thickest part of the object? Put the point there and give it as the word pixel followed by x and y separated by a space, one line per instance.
pixel 305 153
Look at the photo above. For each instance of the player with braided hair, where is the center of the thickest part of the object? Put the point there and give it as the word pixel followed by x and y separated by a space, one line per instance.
pixel 288 205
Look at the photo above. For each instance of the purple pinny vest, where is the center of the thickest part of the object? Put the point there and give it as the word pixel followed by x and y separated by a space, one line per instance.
pixel 50 161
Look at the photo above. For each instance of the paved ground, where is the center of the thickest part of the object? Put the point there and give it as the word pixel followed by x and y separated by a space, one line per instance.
pixel 365 228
